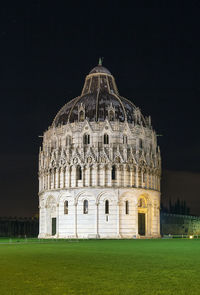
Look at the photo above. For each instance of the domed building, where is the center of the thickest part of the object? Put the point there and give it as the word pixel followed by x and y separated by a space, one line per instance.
pixel 99 167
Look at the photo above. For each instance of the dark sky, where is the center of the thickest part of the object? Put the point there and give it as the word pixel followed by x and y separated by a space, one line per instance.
pixel 152 50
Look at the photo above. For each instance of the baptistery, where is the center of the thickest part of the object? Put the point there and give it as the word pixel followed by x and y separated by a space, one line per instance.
pixel 99 167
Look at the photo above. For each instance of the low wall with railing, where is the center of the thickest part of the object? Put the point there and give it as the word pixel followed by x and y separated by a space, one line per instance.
pixel 175 224
pixel 19 227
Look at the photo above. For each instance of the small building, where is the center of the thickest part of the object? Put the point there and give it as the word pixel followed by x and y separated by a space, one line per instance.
pixel 99 167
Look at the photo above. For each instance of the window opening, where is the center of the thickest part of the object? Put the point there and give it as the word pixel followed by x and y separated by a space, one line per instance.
pixel 124 139
pixel 85 207
pixel 113 173
pixel 107 207
pixel 86 139
pixel 127 207
pixel 79 173
pixel 106 139
pixel 66 207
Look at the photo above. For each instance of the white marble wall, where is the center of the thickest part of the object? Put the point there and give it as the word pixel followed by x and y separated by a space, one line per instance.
pixel 115 224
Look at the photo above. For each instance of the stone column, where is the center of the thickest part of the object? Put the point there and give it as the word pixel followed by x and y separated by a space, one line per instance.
pixel 131 176
pixel 61 177
pixel 57 221
pixel 89 175
pixel 75 219
pixel 95 175
pixel 73 176
pixel 149 219
pixel 136 216
pixel 109 176
pixel 118 220
pixel 118 175
pixel 147 179
pixel 83 175
pixel 41 182
pixel 54 178
pixel 103 174
pixel 39 178
pixel 57 178
pixel 48 180
pixel 86 175
pixel 158 220
pixel 97 220
pixel 68 176
pixel 142 178
pixel 136 176
pixel 126 175
pixel 154 181
pixel 45 181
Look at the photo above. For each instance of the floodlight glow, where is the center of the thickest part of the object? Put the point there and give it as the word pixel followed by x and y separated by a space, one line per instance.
pixel 191 237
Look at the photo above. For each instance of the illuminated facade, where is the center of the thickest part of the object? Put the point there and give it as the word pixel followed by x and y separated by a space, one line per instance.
pixel 99 167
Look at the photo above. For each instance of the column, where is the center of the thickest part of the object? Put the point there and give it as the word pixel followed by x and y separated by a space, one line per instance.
pixel 97 220
pixel 57 221
pixel 131 176
pixel 39 178
pixel 75 219
pixel 118 220
pixel 142 178
pixel 49 180
pixel 73 176
pixel 89 175
pixel 125 172
pixel 95 175
pixel 136 216
pixel 83 175
pixel 118 175
pixel 149 219
pixel 54 178
pixel 61 177
pixel 158 220
pixel 68 176
pixel 109 176
pixel 136 176
pixel 147 179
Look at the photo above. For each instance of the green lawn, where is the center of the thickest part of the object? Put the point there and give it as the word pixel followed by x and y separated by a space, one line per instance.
pixel 98 267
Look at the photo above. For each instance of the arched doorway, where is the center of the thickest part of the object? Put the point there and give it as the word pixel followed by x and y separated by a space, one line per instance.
pixel 51 220
pixel 142 216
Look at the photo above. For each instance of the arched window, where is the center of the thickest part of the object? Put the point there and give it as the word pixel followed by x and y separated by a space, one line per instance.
pixel 125 139
pixel 54 144
pixel 79 173
pixel 127 207
pixel 140 143
pixel 106 139
pixel 111 115
pixel 86 139
pixel 85 207
pixel 106 207
pixel 68 140
pixel 113 172
pixel 66 207
pixel 81 116
pixel 142 203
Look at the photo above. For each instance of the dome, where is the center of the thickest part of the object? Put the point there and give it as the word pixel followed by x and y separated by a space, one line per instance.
pixel 99 97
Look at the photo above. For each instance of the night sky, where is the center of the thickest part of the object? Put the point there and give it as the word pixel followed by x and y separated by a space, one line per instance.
pixel 47 50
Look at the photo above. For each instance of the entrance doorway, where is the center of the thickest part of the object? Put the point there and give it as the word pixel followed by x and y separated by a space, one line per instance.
pixel 141 224
pixel 53 227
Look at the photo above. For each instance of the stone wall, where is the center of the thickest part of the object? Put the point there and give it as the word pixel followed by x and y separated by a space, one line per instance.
pixel 175 224
pixel 19 227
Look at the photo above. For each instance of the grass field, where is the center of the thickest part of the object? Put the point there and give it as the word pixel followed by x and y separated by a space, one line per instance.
pixel 98 267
